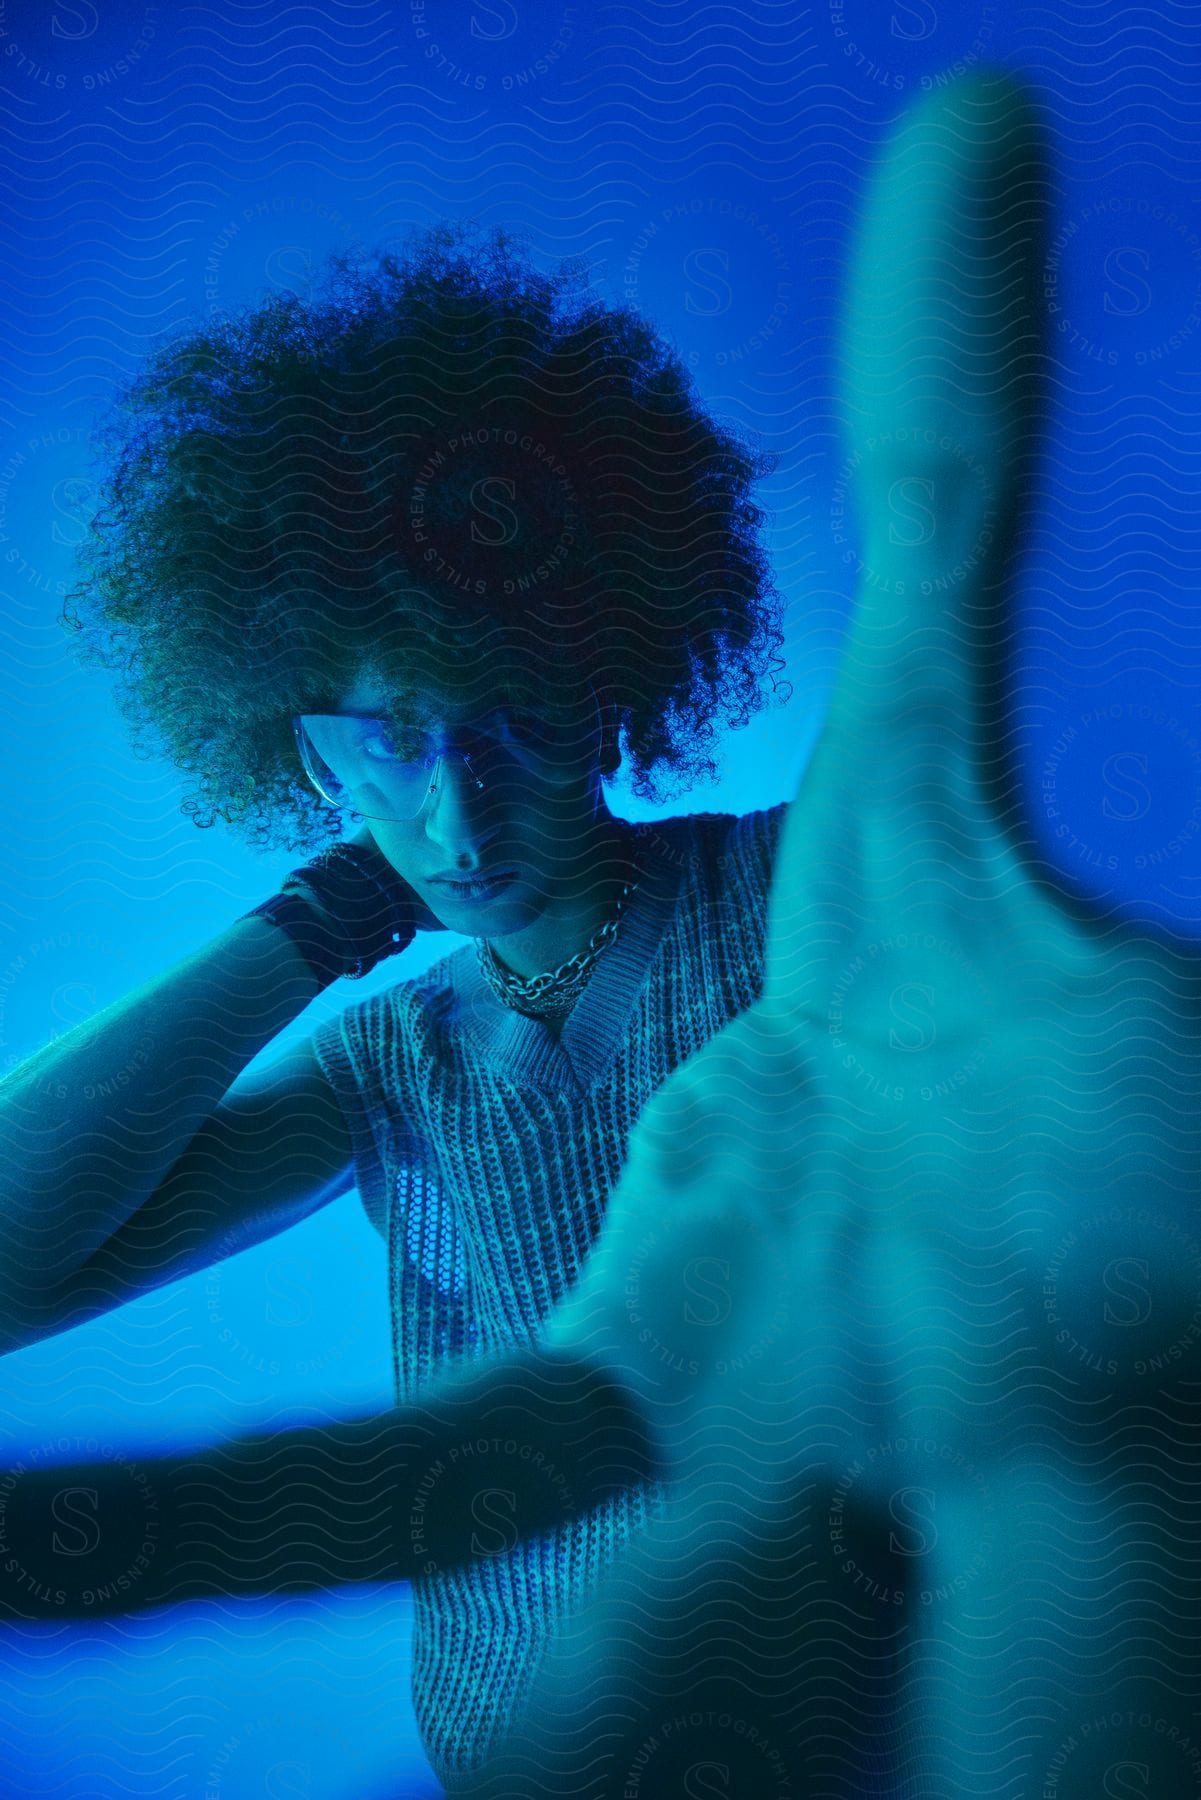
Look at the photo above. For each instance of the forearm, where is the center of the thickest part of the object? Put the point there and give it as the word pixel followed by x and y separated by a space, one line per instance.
pixel 91 1124
pixel 516 1447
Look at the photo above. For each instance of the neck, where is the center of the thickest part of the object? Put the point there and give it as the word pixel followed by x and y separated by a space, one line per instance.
pixel 573 913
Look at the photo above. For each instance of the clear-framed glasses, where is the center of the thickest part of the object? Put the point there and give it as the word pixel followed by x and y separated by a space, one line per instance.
pixel 380 768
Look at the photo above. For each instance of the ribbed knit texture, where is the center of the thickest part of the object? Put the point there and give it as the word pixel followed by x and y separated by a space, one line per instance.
pixel 485 1154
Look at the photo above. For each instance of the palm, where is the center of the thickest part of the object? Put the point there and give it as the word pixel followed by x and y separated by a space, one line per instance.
pixel 924 1219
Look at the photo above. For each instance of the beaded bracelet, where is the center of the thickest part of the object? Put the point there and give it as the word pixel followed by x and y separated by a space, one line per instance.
pixel 345 911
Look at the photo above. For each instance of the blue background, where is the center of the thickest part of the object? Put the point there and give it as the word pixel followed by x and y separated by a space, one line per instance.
pixel 706 162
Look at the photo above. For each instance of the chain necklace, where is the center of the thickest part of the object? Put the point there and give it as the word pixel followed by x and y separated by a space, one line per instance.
pixel 554 990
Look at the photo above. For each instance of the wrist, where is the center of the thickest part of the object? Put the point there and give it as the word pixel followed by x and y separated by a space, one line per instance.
pixel 312 934
pixel 345 911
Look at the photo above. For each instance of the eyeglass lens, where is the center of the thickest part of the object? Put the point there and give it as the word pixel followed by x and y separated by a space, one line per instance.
pixel 383 770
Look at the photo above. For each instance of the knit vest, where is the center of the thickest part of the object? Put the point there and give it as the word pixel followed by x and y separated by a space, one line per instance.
pixel 485 1153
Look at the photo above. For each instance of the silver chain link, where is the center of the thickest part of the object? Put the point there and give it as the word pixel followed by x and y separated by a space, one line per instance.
pixel 554 990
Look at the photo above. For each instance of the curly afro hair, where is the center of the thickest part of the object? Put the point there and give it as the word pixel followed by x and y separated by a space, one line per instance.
pixel 447 467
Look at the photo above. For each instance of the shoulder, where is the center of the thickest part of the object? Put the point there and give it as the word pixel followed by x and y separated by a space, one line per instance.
pixel 389 1027
pixel 713 952
pixel 752 842
pixel 723 849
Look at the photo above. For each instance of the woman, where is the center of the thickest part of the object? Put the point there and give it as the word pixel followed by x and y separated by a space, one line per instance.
pixel 414 563
pixel 887 1566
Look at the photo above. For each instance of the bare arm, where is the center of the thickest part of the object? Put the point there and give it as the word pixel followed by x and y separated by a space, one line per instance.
pixel 136 1149
pixel 91 1125
pixel 496 1453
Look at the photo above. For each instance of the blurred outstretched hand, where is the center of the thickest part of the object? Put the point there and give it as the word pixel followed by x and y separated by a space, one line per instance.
pixel 906 1263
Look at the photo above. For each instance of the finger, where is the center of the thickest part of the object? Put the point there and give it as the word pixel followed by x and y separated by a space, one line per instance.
pixel 940 344
pixel 906 804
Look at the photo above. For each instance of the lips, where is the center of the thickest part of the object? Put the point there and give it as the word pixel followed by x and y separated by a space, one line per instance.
pixel 475 887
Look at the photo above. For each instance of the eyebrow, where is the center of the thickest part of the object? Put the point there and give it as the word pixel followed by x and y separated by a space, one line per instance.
pixel 350 712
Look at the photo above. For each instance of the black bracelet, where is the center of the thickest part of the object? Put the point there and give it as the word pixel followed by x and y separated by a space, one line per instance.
pixel 322 948
pixel 345 911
